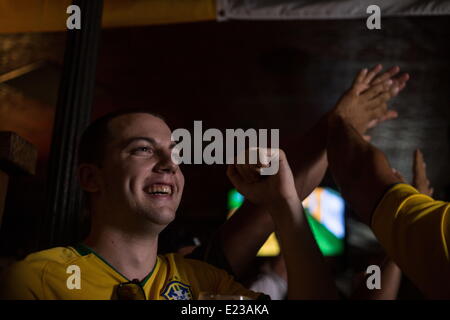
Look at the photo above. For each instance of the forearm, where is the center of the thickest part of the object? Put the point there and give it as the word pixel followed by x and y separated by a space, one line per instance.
pixel 243 234
pixel 361 171
pixel 391 277
pixel 311 164
pixel 308 274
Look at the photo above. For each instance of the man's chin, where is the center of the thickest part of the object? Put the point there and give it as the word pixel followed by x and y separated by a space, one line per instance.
pixel 160 216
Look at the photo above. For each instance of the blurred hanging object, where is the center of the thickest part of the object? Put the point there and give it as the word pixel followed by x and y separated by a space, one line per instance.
pixel 50 15
pixel 62 223
pixel 326 9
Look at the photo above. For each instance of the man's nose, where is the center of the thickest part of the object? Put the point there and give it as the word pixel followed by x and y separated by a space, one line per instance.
pixel 165 163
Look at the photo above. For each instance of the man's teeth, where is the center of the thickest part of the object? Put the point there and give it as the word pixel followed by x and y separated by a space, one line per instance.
pixel 159 189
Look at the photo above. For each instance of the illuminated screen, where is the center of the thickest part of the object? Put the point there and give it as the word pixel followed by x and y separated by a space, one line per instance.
pixel 325 209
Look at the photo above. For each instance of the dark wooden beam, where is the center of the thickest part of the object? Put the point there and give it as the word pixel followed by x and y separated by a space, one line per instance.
pixel 62 224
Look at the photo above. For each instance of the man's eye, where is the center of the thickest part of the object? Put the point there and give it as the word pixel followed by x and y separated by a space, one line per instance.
pixel 142 150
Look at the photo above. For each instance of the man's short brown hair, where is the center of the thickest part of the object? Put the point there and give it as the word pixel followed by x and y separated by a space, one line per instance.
pixel 91 149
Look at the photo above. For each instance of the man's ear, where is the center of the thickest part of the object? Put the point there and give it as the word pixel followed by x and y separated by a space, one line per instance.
pixel 89 177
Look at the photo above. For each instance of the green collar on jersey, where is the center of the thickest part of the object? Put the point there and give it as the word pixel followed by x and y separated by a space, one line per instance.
pixel 84 250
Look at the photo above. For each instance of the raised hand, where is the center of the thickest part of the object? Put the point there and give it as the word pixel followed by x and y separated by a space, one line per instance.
pixel 264 190
pixel 364 105
pixel 277 194
pixel 420 180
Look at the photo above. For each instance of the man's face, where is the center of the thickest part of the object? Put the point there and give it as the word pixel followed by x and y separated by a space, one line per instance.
pixel 138 175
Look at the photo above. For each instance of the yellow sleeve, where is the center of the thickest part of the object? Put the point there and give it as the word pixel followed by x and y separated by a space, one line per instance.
pixel 414 229
pixel 21 282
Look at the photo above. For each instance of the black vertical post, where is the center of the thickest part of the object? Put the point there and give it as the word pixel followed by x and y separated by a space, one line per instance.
pixel 61 222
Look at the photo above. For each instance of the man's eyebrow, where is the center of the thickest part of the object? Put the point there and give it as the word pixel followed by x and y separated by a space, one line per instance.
pixel 133 139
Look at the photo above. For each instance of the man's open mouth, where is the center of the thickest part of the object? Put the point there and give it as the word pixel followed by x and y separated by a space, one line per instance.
pixel 159 189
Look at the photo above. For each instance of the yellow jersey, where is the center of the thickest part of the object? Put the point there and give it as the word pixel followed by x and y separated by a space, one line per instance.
pixel 414 229
pixel 51 274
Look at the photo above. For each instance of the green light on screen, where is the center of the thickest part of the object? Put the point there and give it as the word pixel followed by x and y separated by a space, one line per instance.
pixel 328 242
pixel 235 199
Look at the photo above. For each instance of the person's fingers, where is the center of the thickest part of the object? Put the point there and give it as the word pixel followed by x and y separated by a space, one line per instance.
pixel 399 83
pixel 267 155
pixel 360 76
pixel 246 164
pixel 372 73
pixel 398 175
pixel 395 89
pixel 418 161
pixel 379 116
pixel 367 138
pixel 419 172
pixel 427 189
pixel 374 91
pixel 386 75
pixel 372 124
pixel 262 156
pixel 391 114
pixel 418 153
pixel 420 180
pixel 358 88
pixel 403 78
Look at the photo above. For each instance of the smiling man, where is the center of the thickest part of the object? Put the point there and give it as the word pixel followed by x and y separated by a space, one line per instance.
pixel 133 190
